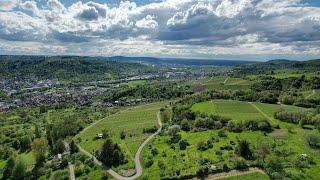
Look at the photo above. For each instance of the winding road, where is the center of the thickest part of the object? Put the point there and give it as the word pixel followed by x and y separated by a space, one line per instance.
pixel 137 162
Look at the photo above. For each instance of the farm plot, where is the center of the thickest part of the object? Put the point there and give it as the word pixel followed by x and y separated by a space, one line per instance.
pixel 224 83
pixel 236 110
pixel 131 121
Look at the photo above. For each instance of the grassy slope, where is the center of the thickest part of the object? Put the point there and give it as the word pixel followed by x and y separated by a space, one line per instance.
pixel 218 83
pixel 131 121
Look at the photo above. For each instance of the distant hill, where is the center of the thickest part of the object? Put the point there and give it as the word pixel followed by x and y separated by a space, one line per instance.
pixel 279 65
pixel 66 67
pixel 180 61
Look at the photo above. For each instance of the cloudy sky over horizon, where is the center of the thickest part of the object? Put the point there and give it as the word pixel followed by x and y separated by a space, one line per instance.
pixel 220 29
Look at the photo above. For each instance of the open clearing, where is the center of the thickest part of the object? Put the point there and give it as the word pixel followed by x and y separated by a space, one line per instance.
pixel 132 121
pixel 223 83
pixel 236 110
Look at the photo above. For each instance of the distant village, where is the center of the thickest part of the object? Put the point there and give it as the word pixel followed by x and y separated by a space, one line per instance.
pixel 26 92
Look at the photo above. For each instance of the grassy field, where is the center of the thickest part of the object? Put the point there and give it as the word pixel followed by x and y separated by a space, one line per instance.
pixel 236 110
pixel 132 121
pixel 223 83
pixel 186 162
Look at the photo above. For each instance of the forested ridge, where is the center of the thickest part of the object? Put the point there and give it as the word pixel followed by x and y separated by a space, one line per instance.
pixel 65 67
pixel 274 66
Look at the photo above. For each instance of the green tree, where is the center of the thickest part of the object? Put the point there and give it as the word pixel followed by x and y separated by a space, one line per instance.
pixel 19 171
pixel 244 150
pixel 185 125
pixel 183 143
pixel 8 168
pixel 73 147
pixel 39 147
pixel 37 131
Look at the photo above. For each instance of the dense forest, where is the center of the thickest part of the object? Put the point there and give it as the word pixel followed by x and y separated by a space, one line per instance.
pixel 66 67
pixel 275 66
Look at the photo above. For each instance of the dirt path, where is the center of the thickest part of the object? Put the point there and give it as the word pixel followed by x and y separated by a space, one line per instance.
pixel 264 114
pixel 225 81
pixel 313 93
pixel 137 162
pixel 71 172
pixel 234 173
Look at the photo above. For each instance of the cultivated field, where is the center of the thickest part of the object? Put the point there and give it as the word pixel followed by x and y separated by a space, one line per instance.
pixel 223 83
pixel 236 110
pixel 131 121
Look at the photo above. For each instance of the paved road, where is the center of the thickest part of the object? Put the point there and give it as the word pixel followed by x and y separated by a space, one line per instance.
pixel 71 166
pixel 137 162
pixel 71 172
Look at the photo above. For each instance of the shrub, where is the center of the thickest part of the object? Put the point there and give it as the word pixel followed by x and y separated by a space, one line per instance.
pixel 183 144
pixel 185 125
pixel 314 140
pixel 149 162
pixel 154 151
pixel 204 145
pixel 152 129
pixel 122 135
pixel 240 164
pixel 222 133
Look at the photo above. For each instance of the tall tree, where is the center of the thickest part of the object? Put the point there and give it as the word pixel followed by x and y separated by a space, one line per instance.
pixel 244 151
pixel 39 147
pixel 8 168
pixel 19 171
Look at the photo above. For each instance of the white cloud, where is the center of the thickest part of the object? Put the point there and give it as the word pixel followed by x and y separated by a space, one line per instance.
pixel 7 5
pixel 187 26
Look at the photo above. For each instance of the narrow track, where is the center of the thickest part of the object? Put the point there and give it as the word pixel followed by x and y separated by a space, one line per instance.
pixel 263 113
pixel 137 162
pixel 313 93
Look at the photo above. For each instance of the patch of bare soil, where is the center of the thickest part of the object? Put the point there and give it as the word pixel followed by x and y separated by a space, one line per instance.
pixel 278 133
pixel 233 173
pixel 128 172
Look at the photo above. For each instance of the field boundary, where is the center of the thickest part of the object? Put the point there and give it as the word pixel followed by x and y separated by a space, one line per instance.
pixel 234 173
pixel 263 113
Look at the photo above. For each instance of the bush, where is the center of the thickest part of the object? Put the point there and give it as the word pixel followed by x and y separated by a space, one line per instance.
pixel 185 125
pixel 314 139
pixel 183 144
pixel 154 151
pixel 240 164
pixel 204 145
pixel 122 135
pixel 149 162
pixel 222 133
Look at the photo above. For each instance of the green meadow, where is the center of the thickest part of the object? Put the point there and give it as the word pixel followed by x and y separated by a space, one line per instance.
pixel 223 83
pixel 236 110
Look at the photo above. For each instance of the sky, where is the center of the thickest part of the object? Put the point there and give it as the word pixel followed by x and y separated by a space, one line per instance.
pixel 211 29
